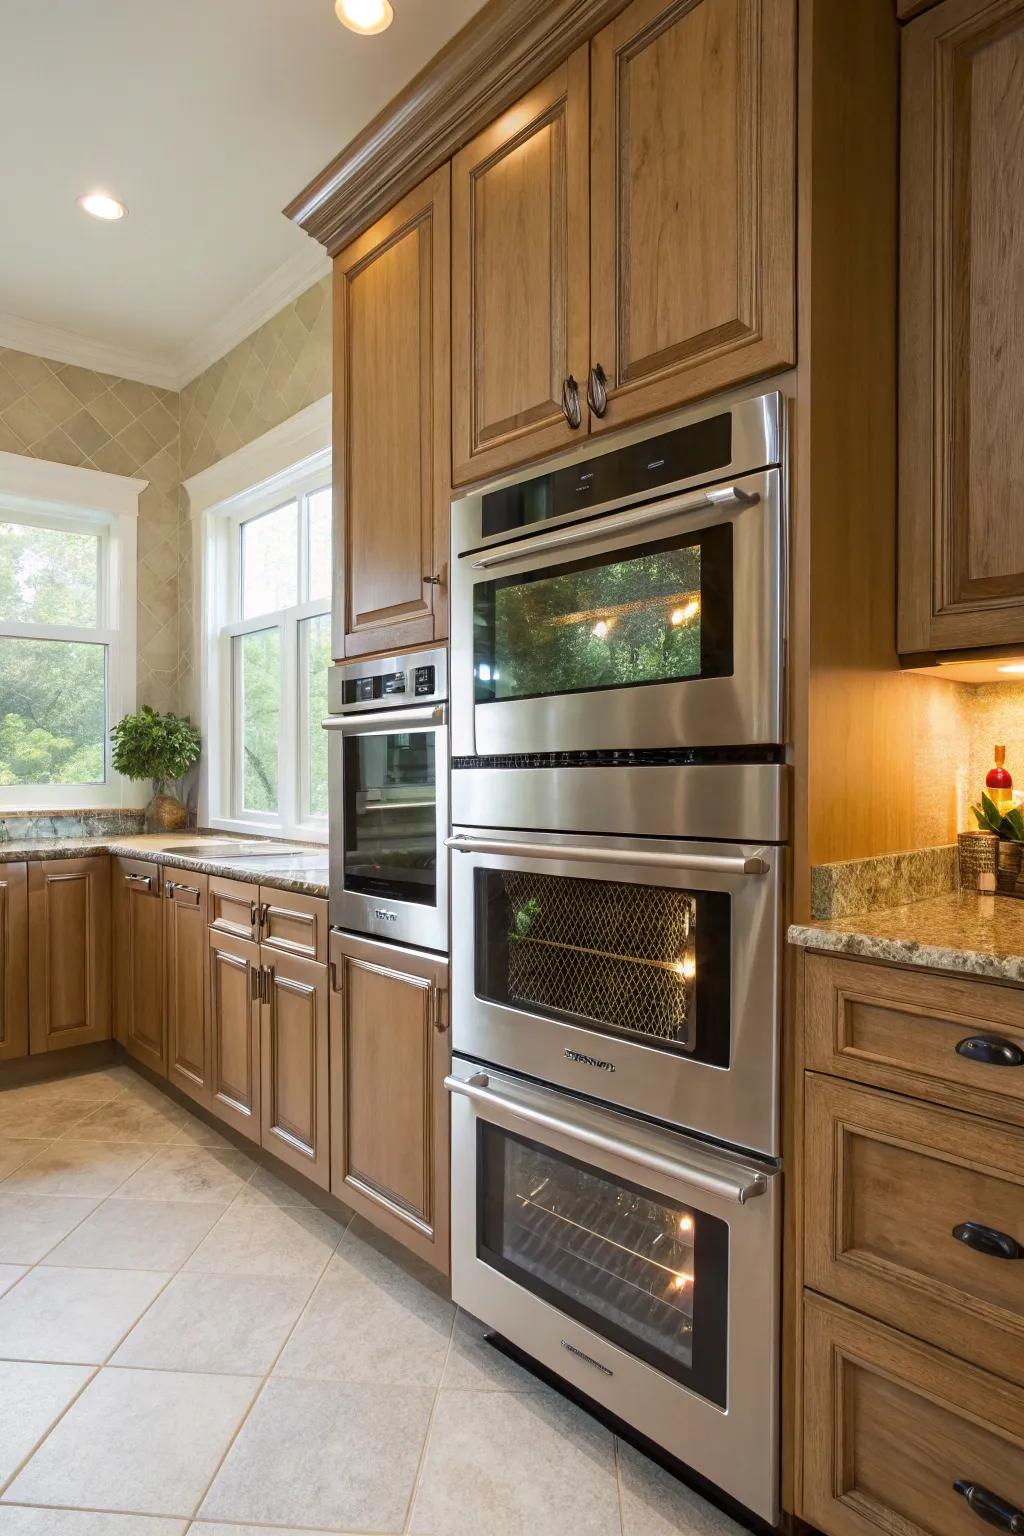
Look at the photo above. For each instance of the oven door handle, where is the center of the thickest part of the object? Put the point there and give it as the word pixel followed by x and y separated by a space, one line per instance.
pixel 388 719
pixel 699 863
pixel 721 496
pixel 738 1187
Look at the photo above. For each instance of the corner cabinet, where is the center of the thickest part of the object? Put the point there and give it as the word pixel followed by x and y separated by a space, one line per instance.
pixel 13 961
pixel 962 328
pixel 69 952
pixel 392 435
pixel 390 1054
pixel 140 1018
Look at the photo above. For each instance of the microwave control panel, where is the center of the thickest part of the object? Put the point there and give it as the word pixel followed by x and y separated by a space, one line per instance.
pixel 396 680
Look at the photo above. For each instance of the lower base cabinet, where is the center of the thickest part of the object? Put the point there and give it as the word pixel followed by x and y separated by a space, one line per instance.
pixel 140 1018
pixel 899 1436
pixel 13 961
pixel 390 1054
pixel 294 1099
pixel 234 1027
pixel 69 952
pixel 185 962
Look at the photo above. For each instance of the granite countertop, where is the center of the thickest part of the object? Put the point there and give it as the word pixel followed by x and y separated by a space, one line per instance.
pixel 960 931
pixel 304 871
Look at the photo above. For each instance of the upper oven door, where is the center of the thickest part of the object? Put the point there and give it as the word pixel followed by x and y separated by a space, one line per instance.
pixel 389 817
pixel 642 973
pixel 656 626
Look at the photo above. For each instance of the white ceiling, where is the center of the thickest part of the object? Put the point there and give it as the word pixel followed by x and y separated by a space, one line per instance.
pixel 205 117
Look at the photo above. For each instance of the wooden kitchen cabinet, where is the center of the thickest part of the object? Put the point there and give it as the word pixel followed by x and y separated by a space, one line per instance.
pixel 520 279
pixel 390 1054
pixel 140 1019
pixel 189 1055
pixel 692 121
pixel 233 1021
pixel 13 961
pixel 392 413
pixel 295 1110
pixel 961 534
pixel 69 952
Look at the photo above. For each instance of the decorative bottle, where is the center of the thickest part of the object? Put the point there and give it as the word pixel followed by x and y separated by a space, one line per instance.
pixel 999 784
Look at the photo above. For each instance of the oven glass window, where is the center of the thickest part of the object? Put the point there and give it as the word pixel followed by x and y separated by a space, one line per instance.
pixel 647 962
pixel 647 1273
pixel 390 816
pixel 658 613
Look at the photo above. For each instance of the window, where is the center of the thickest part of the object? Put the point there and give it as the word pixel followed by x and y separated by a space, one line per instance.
pixel 67 661
pixel 273 648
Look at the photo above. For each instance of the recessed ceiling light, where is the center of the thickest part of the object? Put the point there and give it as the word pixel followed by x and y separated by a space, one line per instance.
pixel 365 16
pixel 102 206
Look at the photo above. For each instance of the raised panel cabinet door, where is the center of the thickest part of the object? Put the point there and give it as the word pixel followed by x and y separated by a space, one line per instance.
pixel 693 183
pixel 69 952
pixel 892 1427
pixel 293 1056
pixel 234 1022
pixel 390 1132
pixel 521 280
pixel 13 961
pixel 392 435
pixel 140 1019
pixel 962 327
pixel 186 946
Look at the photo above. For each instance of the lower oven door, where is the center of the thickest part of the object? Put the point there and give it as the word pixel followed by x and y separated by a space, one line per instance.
pixel 644 972
pixel 639 1265
pixel 388 819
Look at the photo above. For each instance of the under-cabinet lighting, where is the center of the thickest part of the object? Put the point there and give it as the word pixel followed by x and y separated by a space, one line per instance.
pixel 102 206
pixel 367 17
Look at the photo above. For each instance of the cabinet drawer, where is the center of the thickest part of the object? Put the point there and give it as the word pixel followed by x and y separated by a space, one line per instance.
pixel 293 924
pixel 887 1182
pixel 890 1426
pixel 900 1029
pixel 234 907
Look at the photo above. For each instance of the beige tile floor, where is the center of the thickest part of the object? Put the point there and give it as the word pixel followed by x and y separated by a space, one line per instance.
pixel 188 1345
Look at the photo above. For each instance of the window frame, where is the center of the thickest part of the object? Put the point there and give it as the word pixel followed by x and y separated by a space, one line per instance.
pixel 40 494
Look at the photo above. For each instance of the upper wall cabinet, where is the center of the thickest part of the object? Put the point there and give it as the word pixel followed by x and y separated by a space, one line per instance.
pixel 692 119
pixel 962 328
pixel 520 279
pixel 392 426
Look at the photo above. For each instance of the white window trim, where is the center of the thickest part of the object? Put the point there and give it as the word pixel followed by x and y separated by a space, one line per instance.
pixel 65 495
pixel 289 459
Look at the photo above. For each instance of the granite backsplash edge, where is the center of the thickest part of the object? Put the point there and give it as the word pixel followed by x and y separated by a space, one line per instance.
pixel 887 880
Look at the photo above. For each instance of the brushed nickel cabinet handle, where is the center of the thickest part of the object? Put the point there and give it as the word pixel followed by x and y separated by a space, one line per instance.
pixel 438 1013
pixel 571 402
pixel 597 390
pixel 432 581
pixel 192 891
pixel 146 880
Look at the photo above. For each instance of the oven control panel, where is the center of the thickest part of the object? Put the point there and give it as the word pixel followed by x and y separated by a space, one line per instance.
pixel 420 678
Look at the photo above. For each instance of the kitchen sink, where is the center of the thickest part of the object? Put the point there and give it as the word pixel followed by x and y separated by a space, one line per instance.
pixel 216 848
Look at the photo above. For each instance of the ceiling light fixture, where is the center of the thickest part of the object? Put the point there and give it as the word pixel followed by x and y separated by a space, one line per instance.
pixel 365 16
pixel 102 206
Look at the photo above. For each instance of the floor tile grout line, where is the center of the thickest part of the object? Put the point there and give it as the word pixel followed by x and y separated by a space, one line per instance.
pixel 424 1449
pixel 5 1483
pixel 618 1484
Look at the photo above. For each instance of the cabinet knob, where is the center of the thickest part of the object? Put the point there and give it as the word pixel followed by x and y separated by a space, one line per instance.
pixel 571 402
pixel 597 390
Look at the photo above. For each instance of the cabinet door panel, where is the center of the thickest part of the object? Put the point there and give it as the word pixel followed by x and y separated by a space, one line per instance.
pixel 392 410
pixel 389 1108
pixel 188 1036
pixel 13 961
pixel 234 1032
pixel 692 199
pixel 140 1022
pixel 962 327
pixel 69 952
pixel 294 1065
pixel 520 278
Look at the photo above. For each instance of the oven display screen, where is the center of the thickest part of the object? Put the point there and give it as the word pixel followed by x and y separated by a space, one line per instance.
pixel 391 816
pixel 659 613
pixel 647 1273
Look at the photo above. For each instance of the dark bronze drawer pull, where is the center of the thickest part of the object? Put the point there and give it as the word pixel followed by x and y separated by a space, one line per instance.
pixel 991 1051
pixel 991 1507
pixel 998 1245
pixel 571 402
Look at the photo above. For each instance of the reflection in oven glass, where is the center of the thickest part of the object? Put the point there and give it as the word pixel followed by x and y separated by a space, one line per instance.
pixel 391 816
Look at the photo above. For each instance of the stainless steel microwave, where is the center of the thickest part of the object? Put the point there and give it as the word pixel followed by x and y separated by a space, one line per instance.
pixel 630 596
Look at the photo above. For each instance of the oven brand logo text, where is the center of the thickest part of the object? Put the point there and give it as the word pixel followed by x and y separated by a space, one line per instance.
pixel 589 1061
pixel 384 915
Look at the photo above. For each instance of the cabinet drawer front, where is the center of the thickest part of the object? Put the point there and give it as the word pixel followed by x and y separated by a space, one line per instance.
pixel 890 1426
pixel 887 1184
pixel 293 924
pixel 234 907
pixel 900 1029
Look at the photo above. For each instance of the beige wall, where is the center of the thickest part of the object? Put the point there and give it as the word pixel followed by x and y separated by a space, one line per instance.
pixel 57 411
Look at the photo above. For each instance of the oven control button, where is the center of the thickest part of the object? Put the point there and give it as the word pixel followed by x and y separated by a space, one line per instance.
pixel 363 689
pixel 424 681
pixel 394 682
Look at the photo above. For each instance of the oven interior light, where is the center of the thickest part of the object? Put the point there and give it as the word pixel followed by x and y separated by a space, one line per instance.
pixel 686 968
pixel 686 1223
pixel 680 1282
pixel 601 628
pixel 483 672
pixel 686 613
pixel 1015 667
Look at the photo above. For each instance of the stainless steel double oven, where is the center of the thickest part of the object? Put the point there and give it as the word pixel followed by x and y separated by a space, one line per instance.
pixel 620 825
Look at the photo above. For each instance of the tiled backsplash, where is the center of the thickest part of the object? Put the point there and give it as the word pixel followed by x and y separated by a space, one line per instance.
pixel 889 880
pixel 30 826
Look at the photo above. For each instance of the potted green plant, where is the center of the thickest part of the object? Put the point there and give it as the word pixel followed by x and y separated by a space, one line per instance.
pixel 149 745
pixel 1008 827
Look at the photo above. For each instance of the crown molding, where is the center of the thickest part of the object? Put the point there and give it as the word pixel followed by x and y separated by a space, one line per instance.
pixel 39 485
pixel 503 51
pixel 174 371
pixel 302 440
